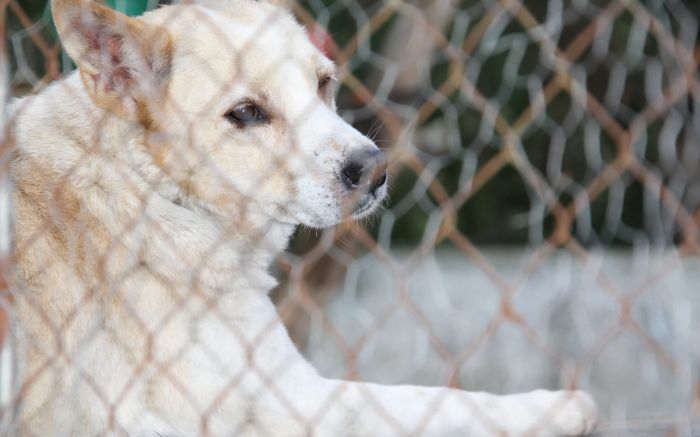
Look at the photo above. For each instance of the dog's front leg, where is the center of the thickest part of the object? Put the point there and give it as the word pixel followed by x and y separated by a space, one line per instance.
pixel 361 409
pixel 240 374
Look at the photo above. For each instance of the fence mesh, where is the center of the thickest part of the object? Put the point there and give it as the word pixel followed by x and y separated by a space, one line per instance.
pixel 542 225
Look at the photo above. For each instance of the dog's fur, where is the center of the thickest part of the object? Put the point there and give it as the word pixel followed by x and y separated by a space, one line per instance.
pixel 146 220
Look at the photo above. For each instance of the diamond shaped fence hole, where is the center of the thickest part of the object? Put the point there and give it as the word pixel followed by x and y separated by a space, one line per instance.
pixel 500 211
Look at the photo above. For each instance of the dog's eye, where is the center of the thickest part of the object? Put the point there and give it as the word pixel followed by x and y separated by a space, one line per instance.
pixel 246 114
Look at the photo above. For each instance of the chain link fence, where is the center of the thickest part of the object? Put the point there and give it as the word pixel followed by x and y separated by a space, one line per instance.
pixel 542 226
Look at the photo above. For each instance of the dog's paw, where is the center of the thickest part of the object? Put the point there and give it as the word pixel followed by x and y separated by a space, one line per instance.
pixel 569 413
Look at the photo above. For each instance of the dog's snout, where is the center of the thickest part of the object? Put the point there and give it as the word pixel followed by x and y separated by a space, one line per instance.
pixel 365 167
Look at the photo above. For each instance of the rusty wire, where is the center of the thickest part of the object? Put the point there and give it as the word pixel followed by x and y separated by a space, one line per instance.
pixel 581 66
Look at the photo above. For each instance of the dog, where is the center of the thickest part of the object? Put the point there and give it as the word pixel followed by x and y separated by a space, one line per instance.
pixel 153 188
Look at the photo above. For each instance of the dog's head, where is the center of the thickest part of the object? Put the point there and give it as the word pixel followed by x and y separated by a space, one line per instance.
pixel 237 106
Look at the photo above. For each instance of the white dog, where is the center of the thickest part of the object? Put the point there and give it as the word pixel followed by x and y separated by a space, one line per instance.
pixel 153 189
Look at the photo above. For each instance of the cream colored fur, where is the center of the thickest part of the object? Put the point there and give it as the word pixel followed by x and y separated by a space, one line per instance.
pixel 146 223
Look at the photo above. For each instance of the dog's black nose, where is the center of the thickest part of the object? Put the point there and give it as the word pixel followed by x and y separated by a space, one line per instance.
pixel 365 167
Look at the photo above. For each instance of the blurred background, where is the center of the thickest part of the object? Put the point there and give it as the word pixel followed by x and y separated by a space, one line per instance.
pixel 542 227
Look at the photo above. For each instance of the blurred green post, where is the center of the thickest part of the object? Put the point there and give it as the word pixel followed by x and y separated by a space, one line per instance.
pixel 129 7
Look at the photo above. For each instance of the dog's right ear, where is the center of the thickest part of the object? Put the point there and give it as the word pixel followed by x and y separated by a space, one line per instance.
pixel 124 62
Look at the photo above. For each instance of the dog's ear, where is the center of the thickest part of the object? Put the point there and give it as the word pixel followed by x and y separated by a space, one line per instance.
pixel 123 61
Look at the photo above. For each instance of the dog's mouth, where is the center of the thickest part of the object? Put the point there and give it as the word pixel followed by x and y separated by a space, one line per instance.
pixel 367 203
pixel 364 205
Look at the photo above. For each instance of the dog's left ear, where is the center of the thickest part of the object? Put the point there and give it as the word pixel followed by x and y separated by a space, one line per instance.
pixel 124 62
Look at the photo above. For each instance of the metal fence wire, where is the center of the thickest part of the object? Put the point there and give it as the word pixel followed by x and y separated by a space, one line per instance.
pixel 541 229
